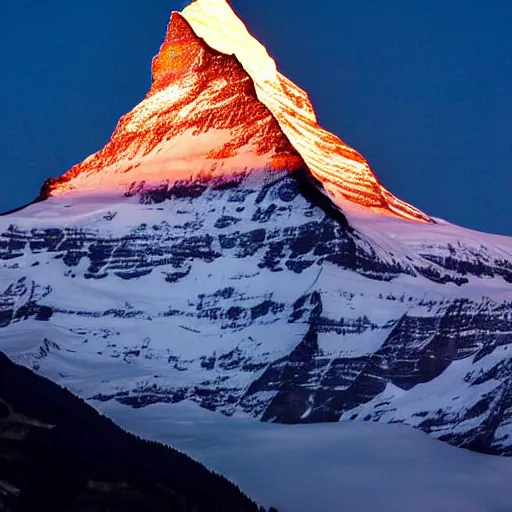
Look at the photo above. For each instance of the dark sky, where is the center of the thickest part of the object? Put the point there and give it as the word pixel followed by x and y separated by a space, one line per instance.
pixel 423 89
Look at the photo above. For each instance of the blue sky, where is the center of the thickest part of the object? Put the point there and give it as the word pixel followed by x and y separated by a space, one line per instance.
pixel 422 89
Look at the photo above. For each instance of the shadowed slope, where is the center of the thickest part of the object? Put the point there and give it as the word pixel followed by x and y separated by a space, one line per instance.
pixel 57 453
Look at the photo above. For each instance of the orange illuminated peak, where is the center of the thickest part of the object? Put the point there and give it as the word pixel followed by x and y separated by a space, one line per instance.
pixel 201 120
pixel 218 105
pixel 344 173
pixel 179 55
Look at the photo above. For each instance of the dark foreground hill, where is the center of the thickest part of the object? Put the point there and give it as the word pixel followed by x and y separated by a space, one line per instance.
pixel 58 454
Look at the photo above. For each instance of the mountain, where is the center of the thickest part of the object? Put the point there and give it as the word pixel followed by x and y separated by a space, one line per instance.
pixel 58 453
pixel 223 248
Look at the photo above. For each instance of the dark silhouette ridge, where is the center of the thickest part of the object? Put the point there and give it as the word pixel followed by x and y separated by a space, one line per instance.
pixel 57 453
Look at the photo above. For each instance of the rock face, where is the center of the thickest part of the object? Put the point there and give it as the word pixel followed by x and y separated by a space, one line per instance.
pixel 345 175
pixel 201 119
pixel 252 299
pixel 202 255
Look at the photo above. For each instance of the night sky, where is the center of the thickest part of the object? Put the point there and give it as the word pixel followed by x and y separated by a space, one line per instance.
pixel 422 89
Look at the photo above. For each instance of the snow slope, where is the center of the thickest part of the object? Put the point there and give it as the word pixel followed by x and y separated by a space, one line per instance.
pixel 252 301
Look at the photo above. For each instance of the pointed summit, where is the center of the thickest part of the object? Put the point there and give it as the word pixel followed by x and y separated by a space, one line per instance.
pixel 217 106
pixel 344 173
pixel 201 120
pixel 179 55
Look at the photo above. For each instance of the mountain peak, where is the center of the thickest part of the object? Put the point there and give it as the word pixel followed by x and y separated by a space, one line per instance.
pixel 344 173
pixel 209 74
pixel 200 121
pixel 179 54
pixel 218 24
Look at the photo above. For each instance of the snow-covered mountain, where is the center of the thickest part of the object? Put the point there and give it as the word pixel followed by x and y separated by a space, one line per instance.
pixel 225 249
